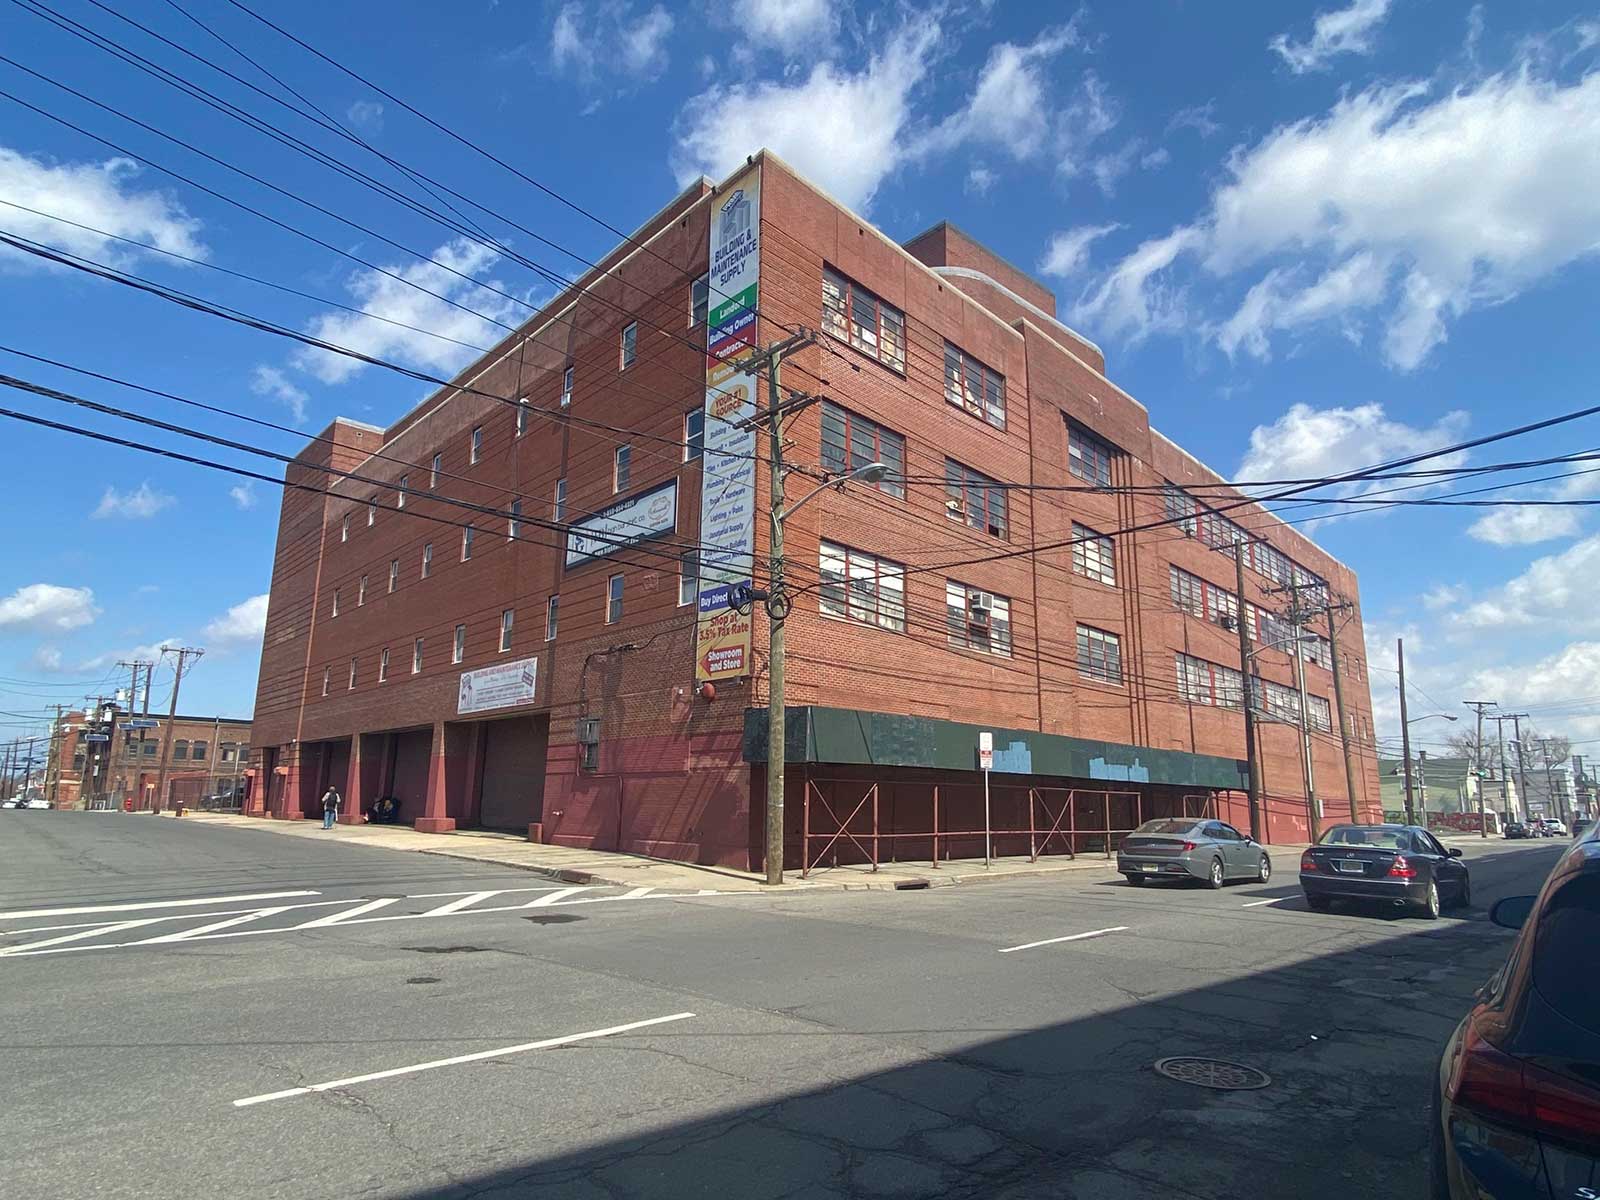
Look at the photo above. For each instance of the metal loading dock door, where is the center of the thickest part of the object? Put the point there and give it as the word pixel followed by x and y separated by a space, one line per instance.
pixel 512 795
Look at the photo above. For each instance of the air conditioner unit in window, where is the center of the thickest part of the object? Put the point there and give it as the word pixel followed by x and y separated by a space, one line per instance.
pixel 1229 622
pixel 980 608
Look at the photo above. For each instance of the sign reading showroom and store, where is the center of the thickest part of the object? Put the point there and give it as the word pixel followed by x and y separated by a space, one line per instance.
pixel 637 518
pixel 504 685
pixel 728 488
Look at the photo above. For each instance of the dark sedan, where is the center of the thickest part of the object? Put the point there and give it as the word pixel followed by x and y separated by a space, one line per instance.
pixel 1516 1108
pixel 1402 865
pixel 1516 829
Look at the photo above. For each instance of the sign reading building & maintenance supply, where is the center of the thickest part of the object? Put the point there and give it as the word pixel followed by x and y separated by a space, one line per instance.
pixel 723 637
pixel 637 518
pixel 504 685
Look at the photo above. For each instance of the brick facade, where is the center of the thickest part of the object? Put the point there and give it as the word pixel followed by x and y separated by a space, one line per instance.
pixel 199 750
pixel 669 778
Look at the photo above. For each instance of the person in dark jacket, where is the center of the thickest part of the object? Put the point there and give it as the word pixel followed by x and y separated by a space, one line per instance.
pixel 330 806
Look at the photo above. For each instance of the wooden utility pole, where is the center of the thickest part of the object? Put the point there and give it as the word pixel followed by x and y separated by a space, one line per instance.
pixel 184 653
pixel 1405 732
pixel 1477 756
pixel 1344 720
pixel 52 771
pixel 1252 749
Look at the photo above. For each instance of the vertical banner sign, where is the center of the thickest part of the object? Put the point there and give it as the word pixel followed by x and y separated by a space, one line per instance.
pixel 728 483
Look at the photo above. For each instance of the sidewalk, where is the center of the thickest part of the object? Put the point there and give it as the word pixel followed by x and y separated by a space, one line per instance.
pixel 628 870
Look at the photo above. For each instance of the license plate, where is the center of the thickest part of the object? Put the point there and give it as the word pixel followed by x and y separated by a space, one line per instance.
pixel 1147 866
pixel 1351 868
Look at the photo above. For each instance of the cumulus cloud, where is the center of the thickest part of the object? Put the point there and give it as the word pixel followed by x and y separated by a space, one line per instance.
pixel 792 27
pixel 1310 443
pixel 1443 595
pixel 610 40
pixel 98 194
pixel 1525 526
pixel 140 504
pixel 1068 251
pixel 244 622
pixel 1553 592
pixel 47 607
pixel 1010 108
pixel 980 180
pixel 1342 31
pixel 1397 211
pixel 274 385
pixel 244 494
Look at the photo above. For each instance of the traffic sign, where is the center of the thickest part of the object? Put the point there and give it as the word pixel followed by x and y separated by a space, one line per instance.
pixel 97 737
pixel 985 751
pixel 141 723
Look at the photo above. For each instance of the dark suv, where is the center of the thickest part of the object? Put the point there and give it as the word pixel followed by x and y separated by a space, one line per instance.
pixel 1517 1106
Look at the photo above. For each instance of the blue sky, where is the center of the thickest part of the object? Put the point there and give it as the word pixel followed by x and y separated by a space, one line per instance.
pixel 1308 238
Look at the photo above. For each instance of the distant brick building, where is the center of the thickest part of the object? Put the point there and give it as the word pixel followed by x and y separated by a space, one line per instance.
pixel 206 755
pixel 1106 662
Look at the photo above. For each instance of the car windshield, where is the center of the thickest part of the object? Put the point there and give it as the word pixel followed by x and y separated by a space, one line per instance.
pixel 1166 825
pixel 1378 837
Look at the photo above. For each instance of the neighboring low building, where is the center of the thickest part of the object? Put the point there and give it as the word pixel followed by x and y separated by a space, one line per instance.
pixel 1440 785
pixel 100 762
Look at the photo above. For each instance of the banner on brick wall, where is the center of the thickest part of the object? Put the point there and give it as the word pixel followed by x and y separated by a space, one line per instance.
pixel 728 488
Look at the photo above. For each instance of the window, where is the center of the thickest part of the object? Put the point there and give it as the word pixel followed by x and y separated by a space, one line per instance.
pixel 613 599
pixel 853 314
pixel 1321 714
pixel 150 747
pixel 466 543
pixel 589 756
pixel 621 468
pixel 688 577
pixel 361 592
pixel 514 523
pixel 372 514
pixel 352 683
pixel 1216 531
pixel 416 657
pixel 459 650
pixel 1318 651
pixel 383 666
pixel 477 445
pixel 566 387
pixel 850 441
pixel 1088 457
pixel 1222 608
pixel 977 620
pixel 1092 555
pixel 970 385
pixel 427 560
pixel 400 492
pixel 394 574
pixel 433 471
pixel 561 500
pixel 180 749
pixel 862 587
pixel 552 615
pixel 1268 561
pixel 522 417
pixel 327 678
pixel 1099 654
pixel 699 300
pixel 1279 702
pixel 694 434
pixel 1188 592
pixel 974 498
pixel 336 602
pixel 344 530
pixel 229 750
pixel 630 343
pixel 507 619
pixel 1202 682
pixel 1180 508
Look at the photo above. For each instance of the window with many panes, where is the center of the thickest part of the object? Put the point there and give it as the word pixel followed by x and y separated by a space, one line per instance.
pixel 853 314
pixel 1188 592
pixel 862 587
pixel 1280 703
pixel 851 441
pixel 976 619
pixel 699 300
pixel 1202 682
pixel 1269 561
pixel 1318 651
pixel 622 468
pixel 973 497
pixel 971 385
pixel 1099 654
pixel 1092 555
pixel 507 620
pixel 613 599
pixel 1088 457
pixel 630 344
pixel 458 649
pixel 1321 714
pixel 552 617
pixel 688 577
pixel 1180 508
pixel 694 434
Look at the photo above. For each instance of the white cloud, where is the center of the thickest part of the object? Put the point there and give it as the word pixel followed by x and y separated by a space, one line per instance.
pixel 1010 107
pixel 244 494
pixel 366 116
pixel 846 130
pixel 244 622
pixel 610 39
pixel 1199 118
pixel 149 652
pixel 980 180
pixel 1395 209
pixel 46 658
pixel 274 384
pixel 385 300
pixel 98 194
pixel 1525 526
pixel 140 504
pixel 1089 116
pixel 1343 31
pixel 1443 595
pixel 1108 169
pixel 47 606
pixel 1310 443
pixel 795 28
pixel 1553 592
pixel 1068 251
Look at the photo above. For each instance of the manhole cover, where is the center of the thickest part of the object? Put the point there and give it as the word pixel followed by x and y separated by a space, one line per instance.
pixel 1213 1073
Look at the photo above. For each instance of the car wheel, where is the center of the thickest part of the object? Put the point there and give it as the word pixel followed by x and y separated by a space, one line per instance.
pixel 1264 873
pixel 1215 879
pixel 1319 903
pixel 1429 910
pixel 1134 880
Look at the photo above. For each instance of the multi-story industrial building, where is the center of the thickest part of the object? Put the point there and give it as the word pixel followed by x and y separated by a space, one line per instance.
pixel 494 610
pixel 97 759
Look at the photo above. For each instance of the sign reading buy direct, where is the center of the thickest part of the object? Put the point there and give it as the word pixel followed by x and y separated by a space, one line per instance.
pixel 728 486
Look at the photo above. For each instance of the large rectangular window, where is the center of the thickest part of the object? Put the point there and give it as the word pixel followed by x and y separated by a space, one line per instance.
pixel 622 468
pixel 613 599
pixel 1202 682
pixel 507 620
pixel 1188 592
pixel 862 587
pixel 851 441
pixel 699 300
pixel 552 617
pixel 855 315
pixel 1088 457
pixel 630 344
pixel 688 577
pixel 973 497
pixel 694 434
pixel 976 619
pixel 1099 654
pixel 1180 508
pixel 1092 555
pixel 971 385
pixel 458 649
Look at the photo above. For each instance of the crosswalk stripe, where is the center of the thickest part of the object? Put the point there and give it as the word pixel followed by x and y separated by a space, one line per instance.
pixel 117 927
pixel 555 897
pixel 466 901
pixel 184 935
pixel 336 918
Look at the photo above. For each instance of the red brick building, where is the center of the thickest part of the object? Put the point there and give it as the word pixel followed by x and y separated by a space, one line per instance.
pixel 1105 661
pixel 205 756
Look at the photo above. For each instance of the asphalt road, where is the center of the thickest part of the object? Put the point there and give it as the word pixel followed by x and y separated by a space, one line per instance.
pixel 604 1043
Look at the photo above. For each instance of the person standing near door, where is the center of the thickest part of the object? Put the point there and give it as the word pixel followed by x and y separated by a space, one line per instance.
pixel 330 806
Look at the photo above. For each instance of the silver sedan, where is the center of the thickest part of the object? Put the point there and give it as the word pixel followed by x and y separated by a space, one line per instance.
pixel 1187 848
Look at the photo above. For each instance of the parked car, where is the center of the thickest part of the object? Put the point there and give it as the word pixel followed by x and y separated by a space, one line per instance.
pixel 1516 1106
pixel 35 802
pixel 1187 848
pixel 1553 827
pixel 1402 865
pixel 1581 826
pixel 1516 829
pixel 11 802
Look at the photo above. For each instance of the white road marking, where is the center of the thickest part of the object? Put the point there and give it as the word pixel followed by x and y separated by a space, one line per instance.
pixel 554 897
pixel 39 947
pixel 1259 903
pixel 456 905
pixel 339 918
pixel 1075 937
pixel 197 902
pixel 545 1044
pixel 184 935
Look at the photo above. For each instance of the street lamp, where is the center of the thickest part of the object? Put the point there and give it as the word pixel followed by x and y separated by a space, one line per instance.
pixel 777 613
pixel 1430 716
